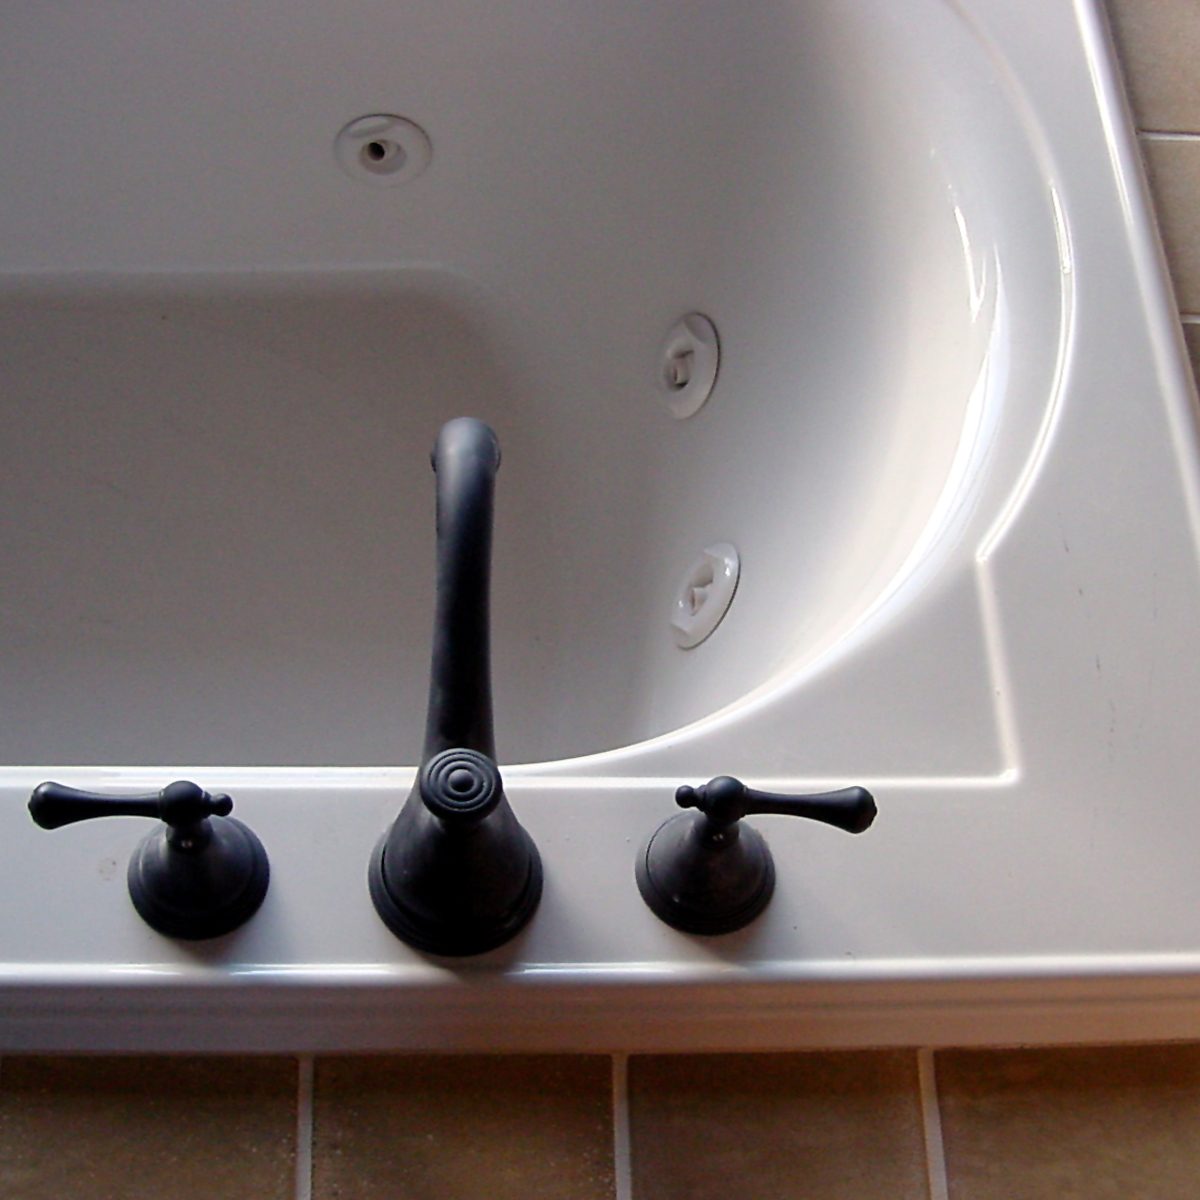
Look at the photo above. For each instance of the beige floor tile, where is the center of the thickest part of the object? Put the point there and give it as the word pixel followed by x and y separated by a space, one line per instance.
pixel 147 1128
pixel 1111 1123
pixel 1158 42
pixel 461 1128
pixel 777 1127
pixel 1174 168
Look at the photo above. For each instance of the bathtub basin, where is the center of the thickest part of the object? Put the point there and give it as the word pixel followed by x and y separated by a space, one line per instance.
pixel 950 438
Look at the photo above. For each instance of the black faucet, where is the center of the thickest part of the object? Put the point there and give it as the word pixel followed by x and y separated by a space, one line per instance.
pixel 456 873
pixel 706 872
pixel 200 874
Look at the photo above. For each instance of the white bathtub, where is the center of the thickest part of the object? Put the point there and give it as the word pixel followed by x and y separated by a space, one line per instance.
pixel 951 439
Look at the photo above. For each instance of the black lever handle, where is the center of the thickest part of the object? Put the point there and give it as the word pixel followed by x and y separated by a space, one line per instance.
pixel 199 875
pixel 180 804
pixel 726 800
pixel 704 872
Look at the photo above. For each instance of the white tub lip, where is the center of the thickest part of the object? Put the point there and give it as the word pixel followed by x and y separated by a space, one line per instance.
pixel 520 778
pixel 1178 386
pixel 989 1002
pixel 503 1001
pixel 982 972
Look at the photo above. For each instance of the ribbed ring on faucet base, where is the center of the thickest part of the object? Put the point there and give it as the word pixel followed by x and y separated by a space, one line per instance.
pixel 454 939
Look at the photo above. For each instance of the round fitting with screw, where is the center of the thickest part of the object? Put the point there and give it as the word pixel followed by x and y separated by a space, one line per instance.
pixel 383 149
pixel 688 364
pixel 704 594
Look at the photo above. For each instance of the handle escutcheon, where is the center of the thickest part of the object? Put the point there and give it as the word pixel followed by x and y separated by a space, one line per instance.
pixel 200 874
pixel 705 872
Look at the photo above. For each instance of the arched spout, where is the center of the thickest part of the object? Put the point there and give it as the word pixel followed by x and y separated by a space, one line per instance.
pixel 466 457
pixel 455 873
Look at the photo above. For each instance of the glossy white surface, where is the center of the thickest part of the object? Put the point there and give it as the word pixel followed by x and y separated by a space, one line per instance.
pixel 229 309
pixel 952 438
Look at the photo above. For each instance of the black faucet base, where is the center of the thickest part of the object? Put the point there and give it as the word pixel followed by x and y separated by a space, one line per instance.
pixel 203 894
pixel 699 885
pixel 451 935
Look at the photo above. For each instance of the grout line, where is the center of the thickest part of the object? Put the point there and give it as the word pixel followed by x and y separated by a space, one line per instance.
pixel 1162 135
pixel 304 1127
pixel 931 1119
pixel 622 1158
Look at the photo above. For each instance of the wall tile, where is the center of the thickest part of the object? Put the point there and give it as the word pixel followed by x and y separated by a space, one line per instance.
pixel 147 1128
pixel 783 1126
pixel 1174 169
pixel 1071 1123
pixel 436 1128
pixel 1191 335
pixel 1158 42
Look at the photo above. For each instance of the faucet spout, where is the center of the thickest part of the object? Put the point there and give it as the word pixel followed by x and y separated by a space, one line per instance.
pixel 456 873
pixel 465 458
